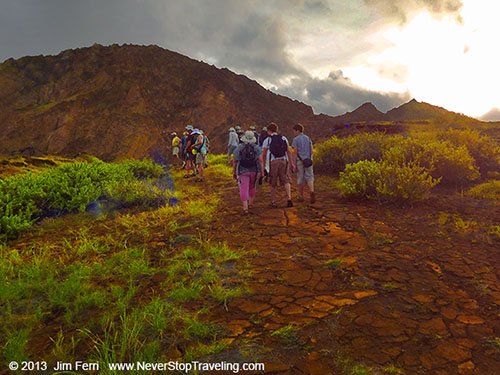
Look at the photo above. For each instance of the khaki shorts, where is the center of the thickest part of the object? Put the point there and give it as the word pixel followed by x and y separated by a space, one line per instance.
pixel 280 171
pixel 306 174
pixel 201 158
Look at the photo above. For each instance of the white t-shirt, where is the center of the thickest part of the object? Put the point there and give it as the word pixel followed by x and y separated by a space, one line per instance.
pixel 267 143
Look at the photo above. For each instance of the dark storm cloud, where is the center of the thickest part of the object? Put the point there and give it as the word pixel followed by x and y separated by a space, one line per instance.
pixel 30 27
pixel 400 9
pixel 337 94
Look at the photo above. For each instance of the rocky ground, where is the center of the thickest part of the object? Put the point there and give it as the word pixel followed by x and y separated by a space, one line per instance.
pixel 356 287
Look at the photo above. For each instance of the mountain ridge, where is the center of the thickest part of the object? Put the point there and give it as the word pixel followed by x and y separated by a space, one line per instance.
pixel 123 101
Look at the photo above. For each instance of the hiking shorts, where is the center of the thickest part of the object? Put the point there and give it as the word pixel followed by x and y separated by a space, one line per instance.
pixel 175 151
pixel 280 171
pixel 201 158
pixel 304 174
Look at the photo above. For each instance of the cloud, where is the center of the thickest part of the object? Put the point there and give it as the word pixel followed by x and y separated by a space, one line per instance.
pixel 493 115
pixel 337 94
pixel 401 9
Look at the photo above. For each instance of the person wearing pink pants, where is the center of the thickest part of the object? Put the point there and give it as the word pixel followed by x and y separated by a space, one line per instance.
pixel 248 165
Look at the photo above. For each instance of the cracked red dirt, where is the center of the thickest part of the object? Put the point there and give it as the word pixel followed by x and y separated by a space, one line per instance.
pixel 378 285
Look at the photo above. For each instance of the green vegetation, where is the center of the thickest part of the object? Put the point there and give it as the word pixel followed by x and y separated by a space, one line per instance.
pixel 71 187
pixel 334 263
pixel 386 181
pixel 288 335
pixel 349 367
pixel 218 165
pixel 487 190
pixel 398 169
pixel 124 287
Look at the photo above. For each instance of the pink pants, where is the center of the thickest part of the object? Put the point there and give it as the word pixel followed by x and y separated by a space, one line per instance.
pixel 246 182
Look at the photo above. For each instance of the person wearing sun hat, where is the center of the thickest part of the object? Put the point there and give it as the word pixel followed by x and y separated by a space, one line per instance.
pixel 247 166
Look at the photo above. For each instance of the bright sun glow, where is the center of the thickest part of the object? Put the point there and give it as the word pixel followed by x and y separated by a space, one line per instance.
pixel 451 64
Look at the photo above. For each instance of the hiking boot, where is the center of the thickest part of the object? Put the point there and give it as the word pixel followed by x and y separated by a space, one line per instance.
pixel 313 198
pixel 289 203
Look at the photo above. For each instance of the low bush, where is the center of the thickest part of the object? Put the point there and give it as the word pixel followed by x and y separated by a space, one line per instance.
pixel 72 187
pixel 404 182
pixel 483 149
pixel 487 190
pixel 385 181
pixel 360 179
pixel 453 164
pixel 335 153
pixel 455 156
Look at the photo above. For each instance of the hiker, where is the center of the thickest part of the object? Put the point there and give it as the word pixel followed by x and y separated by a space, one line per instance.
pixel 247 166
pixel 175 145
pixel 190 157
pixel 276 149
pixel 199 150
pixel 183 148
pixel 262 136
pixel 232 143
pixel 239 133
pixel 206 140
pixel 252 128
pixel 303 151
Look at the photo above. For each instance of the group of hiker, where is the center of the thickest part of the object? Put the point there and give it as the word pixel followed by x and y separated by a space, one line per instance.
pixel 192 149
pixel 268 155
pixel 255 157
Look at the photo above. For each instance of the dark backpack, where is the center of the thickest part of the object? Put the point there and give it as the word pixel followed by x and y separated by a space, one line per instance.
pixel 248 156
pixel 278 146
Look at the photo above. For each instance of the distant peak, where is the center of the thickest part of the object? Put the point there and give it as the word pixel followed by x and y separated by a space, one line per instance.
pixel 367 105
pixel 413 101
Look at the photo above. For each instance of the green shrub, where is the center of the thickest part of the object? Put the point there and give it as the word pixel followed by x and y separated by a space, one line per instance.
pixel 488 190
pixel 404 182
pixel 142 169
pixel 483 149
pixel 360 179
pixel 440 158
pixel 333 154
pixel 386 181
pixel 72 187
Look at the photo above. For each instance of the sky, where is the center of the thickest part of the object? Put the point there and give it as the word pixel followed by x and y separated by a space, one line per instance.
pixel 331 54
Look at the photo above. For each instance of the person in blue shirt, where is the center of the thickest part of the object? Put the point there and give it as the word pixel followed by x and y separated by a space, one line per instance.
pixel 303 155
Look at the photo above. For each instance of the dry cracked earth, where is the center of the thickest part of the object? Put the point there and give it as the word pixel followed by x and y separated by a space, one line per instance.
pixel 396 290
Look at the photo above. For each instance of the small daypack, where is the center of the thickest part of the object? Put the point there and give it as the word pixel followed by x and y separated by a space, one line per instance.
pixel 278 146
pixel 248 156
